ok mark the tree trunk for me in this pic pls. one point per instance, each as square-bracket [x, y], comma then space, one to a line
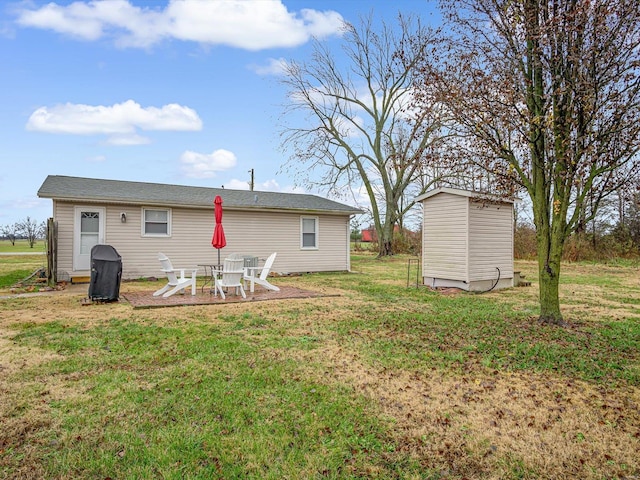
[550, 247]
[385, 239]
[385, 248]
[549, 294]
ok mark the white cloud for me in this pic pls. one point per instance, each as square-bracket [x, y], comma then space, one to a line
[96, 159]
[125, 140]
[274, 66]
[248, 24]
[206, 165]
[267, 186]
[348, 128]
[120, 121]
[7, 30]
[235, 184]
[322, 24]
[27, 203]
[361, 197]
[76, 20]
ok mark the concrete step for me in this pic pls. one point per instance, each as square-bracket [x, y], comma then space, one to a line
[80, 280]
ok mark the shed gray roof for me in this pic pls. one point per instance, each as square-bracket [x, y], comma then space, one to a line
[465, 193]
[78, 189]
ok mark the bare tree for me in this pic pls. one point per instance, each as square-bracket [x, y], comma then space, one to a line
[31, 230]
[10, 232]
[627, 229]
[547, 92]
[361, 130]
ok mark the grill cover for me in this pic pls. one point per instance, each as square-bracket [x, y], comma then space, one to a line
[106, 272]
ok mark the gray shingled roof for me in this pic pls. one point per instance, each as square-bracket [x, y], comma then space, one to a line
[117, 191]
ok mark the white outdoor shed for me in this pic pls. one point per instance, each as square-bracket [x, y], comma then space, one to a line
[467, 240]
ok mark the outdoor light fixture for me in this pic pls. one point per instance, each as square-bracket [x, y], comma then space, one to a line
[123, 217]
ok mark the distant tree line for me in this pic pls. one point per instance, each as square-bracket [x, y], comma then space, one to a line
[28, 229]
[613, 232]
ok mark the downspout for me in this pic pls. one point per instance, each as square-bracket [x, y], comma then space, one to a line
[349, 243]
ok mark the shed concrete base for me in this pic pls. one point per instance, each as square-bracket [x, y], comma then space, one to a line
[474, 286]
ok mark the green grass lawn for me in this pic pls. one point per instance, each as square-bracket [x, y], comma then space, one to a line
[22, 246]
[14, 268]
[381, 381]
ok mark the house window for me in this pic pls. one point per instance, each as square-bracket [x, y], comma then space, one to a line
[157, 223]
[309, 233]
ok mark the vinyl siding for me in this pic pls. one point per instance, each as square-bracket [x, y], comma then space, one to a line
[445, 237]
[248, 233]
[491, 240]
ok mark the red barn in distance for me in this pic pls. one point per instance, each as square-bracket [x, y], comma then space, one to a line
[369, 234]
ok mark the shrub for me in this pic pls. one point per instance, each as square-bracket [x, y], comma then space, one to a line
[407, 242]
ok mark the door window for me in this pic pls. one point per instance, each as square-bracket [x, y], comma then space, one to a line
[89, 231]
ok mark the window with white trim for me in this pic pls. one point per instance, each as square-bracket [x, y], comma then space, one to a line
[309, 233]
[156, 222]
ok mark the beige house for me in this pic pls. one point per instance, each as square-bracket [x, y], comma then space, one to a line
[309, 233]
[467, 240]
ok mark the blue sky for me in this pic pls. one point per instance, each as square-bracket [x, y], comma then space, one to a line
[180, 92]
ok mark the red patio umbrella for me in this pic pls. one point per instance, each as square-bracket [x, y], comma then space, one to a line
[218, 240]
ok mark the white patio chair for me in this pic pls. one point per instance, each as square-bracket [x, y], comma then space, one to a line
[175, 283]
[230, 276]
[251, 274]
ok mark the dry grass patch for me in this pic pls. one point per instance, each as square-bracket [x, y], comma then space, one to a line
[493, 424]
[588, 292]
[25, 411]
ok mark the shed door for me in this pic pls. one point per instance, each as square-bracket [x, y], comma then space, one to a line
[88, 231]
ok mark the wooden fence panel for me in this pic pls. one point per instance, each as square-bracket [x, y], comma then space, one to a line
[52, 252]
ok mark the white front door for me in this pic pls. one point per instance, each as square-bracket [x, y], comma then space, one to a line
[88, 231]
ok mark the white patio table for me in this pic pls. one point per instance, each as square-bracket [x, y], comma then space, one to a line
[209, 272]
